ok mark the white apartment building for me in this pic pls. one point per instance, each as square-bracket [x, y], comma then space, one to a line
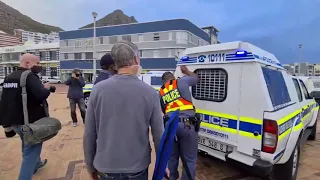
[48, 54]
[303, 69]
[36, 37]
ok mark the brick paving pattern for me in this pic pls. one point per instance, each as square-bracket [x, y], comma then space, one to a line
[65, 154]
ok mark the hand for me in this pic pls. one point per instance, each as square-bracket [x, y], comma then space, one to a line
[167, 173]
[73, 75]
[47, 85]
[95, 175]
[184, 69]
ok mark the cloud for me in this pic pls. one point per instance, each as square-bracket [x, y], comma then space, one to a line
[277, 26]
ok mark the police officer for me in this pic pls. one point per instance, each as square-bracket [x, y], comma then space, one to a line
[108, 68]
[11, 109]
[175, 95]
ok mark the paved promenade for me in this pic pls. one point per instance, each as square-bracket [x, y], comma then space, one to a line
[65, 154]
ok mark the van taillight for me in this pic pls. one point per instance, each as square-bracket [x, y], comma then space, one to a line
[270, 136]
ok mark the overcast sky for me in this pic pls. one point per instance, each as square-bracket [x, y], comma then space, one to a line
[278, 26]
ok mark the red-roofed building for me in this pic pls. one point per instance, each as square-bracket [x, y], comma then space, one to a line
[8, 40]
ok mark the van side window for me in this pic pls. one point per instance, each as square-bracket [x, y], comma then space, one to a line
[212, 85]
[304, 90]
[296, 84]
[277, 87]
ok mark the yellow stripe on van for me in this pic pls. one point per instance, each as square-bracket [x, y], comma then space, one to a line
[251, 120]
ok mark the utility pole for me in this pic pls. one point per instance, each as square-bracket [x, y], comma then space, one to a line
[94, 15]
[300, 59]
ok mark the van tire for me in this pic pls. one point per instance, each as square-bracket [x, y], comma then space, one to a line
[313, 134]
[285, 171]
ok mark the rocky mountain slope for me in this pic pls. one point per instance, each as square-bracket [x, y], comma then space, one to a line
[115, 18]
[11, 19]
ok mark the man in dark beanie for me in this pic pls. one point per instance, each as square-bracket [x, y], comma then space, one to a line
[75, 95]
[108, 68]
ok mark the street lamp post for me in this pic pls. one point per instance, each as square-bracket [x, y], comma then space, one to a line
[94, 15]
[300, 52]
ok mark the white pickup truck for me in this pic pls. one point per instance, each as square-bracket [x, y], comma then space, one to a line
[253, 112]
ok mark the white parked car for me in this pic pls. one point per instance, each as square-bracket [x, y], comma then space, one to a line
[253, 112]
[52, 80]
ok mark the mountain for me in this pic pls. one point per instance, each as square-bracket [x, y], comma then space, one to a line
[115, 18]
[11, 19]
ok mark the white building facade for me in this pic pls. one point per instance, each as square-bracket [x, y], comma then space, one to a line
[48, 54]
[36, 37]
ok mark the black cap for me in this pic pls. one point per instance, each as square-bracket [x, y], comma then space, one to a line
[106, 60]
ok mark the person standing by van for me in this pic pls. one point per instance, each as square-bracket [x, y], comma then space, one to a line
[75, 95]
[175, 95]
[108, 68]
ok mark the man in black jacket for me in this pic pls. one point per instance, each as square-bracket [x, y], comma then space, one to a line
[75, 95]
[108, 68]
[11, 110]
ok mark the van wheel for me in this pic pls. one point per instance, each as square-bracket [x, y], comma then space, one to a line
[313, 134]
[86, 99]
[289, 170]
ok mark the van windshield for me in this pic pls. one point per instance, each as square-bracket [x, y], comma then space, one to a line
[156, 81]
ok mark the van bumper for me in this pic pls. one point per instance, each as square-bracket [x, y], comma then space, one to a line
[259, 168]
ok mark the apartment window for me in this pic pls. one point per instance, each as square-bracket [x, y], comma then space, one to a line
[182, 38]
[89, 55]
[156, 36]
[170, 35]
[156, 54]
[77, 56]
[88, 43]
[42, 55]
[53, 55]
[126, 38]
[66, 56]
[53, 71]
[169, 52]
[0, 57]
[212, 85]
[113, 39]
[100, 40]
[5, 71]
[43, 71]
[77, 44]
[140, 36]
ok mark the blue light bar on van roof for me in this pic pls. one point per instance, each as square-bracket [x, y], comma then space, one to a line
[241, 53]
[185, 58]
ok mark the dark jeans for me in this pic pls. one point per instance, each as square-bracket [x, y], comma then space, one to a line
[82, 107]
[186, 146]
[143, 175]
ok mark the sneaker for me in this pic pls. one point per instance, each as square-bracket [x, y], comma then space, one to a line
[74, 124]
[40, 165]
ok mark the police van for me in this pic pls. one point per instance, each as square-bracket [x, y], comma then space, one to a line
[253, 112]
[153, 78]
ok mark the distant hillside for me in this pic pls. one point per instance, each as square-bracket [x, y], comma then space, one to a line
[11, 19]
[115, 18]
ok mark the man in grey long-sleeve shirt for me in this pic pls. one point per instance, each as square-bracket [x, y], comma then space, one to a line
[119, 113]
